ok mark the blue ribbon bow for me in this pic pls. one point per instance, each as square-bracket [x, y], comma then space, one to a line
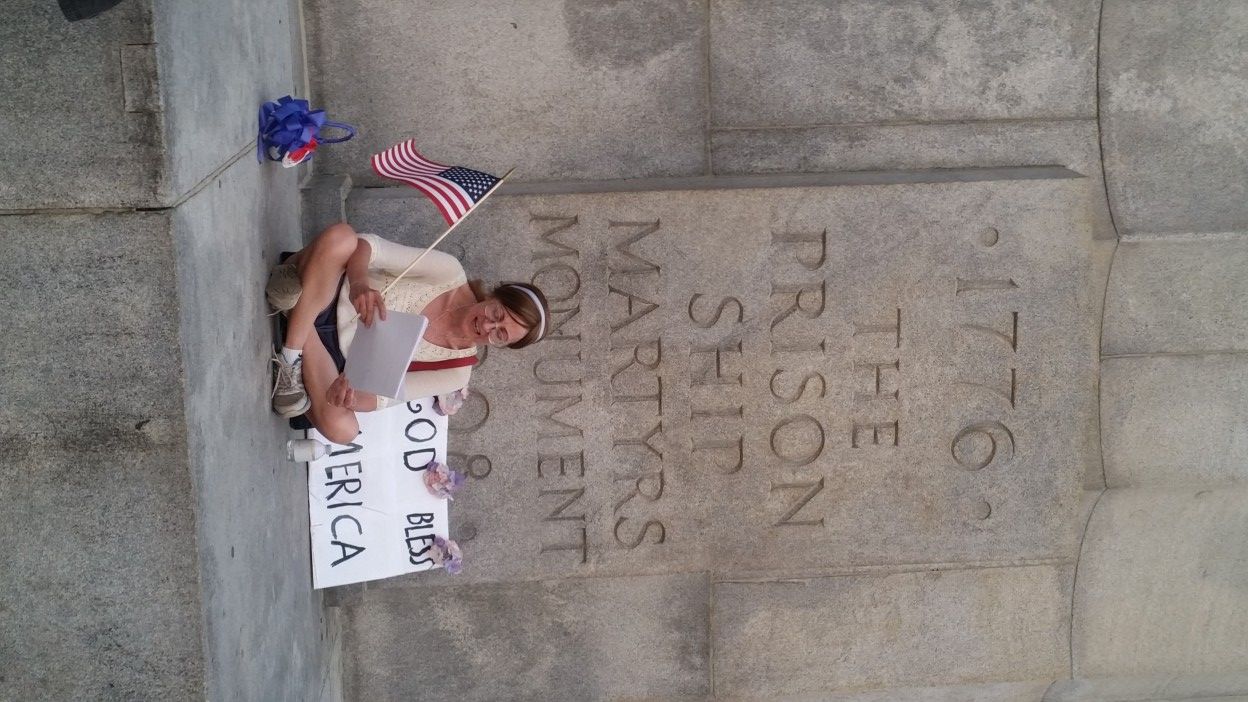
[289, 125]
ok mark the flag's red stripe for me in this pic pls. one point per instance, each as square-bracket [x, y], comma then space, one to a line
[411, 145]
[401, 156]
[379, 165]
[397, 163]
[436, 189]
[404, 163]
[445, 204]
[447, 214]
[456, 197]
[416, 366]
[453, 199]
[465, 202]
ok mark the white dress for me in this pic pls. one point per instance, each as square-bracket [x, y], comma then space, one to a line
[435, 274]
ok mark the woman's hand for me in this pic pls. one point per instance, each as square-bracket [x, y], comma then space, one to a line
[369, 303]
[340, 393]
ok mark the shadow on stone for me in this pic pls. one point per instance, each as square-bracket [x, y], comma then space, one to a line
[75, 10]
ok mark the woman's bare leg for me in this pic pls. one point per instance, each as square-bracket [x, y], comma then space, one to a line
[320, 266]
[338, 424]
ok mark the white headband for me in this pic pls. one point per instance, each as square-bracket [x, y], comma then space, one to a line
[541, 311]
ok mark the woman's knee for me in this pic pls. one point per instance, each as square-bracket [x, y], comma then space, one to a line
[332, 246]
[340, 430]
[341, 237]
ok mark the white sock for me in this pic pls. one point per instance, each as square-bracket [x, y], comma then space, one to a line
[291, 355]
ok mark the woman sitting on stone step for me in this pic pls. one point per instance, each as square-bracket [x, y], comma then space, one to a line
[322, 288]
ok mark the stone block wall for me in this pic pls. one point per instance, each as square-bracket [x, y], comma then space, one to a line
[909, 583]
[101, 594]
[1159, 585]
[156, 536]
[1049, 509]
[1159, 588]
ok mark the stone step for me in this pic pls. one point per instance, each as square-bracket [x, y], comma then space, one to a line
[324, 202]
[157, 539]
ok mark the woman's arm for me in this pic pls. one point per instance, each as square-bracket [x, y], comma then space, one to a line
[357, 264]
[429, 383]
[341, 394]
[435, 268]
[415, 386]
[368, 302]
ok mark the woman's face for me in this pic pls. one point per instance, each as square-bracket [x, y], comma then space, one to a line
[489, 322]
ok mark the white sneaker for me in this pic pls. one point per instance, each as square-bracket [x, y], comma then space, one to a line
[289, 397]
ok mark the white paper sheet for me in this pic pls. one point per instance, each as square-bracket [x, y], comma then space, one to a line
[380, 354]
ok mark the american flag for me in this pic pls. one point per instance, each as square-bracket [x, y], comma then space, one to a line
[454, 189]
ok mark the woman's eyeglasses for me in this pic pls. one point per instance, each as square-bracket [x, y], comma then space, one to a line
[497, 315]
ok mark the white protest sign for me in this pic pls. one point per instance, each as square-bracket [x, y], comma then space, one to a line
[371, 514]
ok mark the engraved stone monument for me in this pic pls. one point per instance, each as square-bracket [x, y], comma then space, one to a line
[899, 350]
[859, 385]
[782, 379]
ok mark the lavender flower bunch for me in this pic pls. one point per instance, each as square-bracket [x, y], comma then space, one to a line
[449, 404]
[442, 481]
[446, 553]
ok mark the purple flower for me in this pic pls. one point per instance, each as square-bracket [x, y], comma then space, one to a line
[450, 403]
[442, 481]
[446, 553]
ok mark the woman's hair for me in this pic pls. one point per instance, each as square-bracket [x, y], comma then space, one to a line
[518, 298]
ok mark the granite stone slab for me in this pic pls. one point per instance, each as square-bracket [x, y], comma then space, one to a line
[602, 638]
[157, 536]
[587, 89]
[1070, 143]
[100, 596]
[872, 147]
[97, 284]
[79, 108]
[804, 62]
[265, 630]
[778, 379]
[1177, 296]
[1162, 589]
[218, 63]
[935, 628]
[1032, 691]
[1228, 687]
[322, 201]
[135, 107]
[1175, 420]
[1173, 87]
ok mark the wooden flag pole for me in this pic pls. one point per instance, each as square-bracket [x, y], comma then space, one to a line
[440, 238]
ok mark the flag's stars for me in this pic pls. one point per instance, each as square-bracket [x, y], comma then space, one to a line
[475, 183]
